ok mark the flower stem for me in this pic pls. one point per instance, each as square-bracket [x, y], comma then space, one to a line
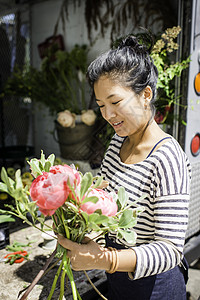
[94, 287]
[66, 266]
[66, 228]
[62, 284]
[55, 281]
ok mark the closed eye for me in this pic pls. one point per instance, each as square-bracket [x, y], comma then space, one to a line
[100, 106]
[116, 102]
[97, 102]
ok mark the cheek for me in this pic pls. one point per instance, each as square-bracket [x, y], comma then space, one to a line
[103, 113]
[135, 111]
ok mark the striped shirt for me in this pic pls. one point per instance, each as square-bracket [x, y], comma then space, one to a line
[164, 177]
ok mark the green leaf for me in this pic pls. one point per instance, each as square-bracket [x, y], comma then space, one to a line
[32, 208]
[35, 169]
[126, 219]
[42, 158]
[71, 206]
[94, 226]
[86, 183]
[128, 235]
[92, 199]
[4, 212]
[102, 219]
[138, 210]
[184, 123]
[4, 177]
[98, 211]
[47, 166]
[51, 159]
[41, 166]
[85, 216]
[3, 187]
[98, 182]
[122, 196]
[41, 219]
[19, 184]
[98, 219]
[93, 217]
[6, 218]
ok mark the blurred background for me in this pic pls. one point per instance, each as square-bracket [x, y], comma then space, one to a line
[29, 29]
[45, 48]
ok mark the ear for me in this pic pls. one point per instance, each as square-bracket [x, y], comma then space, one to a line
[148, 94]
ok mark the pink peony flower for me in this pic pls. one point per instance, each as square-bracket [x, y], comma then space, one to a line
[70, 171]
[51, 190]
[106, 203]
[47, 212]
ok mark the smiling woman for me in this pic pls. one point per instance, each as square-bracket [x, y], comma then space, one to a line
[121, 106]
[146, 162]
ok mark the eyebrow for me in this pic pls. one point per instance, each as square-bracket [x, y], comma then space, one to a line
[110, 96]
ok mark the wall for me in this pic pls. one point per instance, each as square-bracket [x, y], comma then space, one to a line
[43, 19]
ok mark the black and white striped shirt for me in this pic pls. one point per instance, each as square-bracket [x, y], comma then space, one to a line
[165, 178]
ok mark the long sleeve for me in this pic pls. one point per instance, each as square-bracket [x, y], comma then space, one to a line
[170, 212]
[165, 179]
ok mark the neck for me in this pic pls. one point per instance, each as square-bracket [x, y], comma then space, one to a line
[149, 134]
[137, 146]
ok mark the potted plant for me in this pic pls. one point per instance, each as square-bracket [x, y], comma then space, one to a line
[5, 218]
[4, 229]
[60, 84]
[6, 201]
[163, 58]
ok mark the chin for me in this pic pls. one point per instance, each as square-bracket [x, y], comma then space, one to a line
[121, 134]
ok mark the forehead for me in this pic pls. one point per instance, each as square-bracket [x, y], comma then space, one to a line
[106, 86]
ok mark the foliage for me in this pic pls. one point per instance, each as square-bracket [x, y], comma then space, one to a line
[5, 217]
[70, 219]
[167, 70]
[60, 83]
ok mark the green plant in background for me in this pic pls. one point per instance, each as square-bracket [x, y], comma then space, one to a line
[59, 84]
[4, 218]
[168, 70]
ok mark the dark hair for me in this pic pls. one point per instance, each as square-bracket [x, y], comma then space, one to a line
[130, 64]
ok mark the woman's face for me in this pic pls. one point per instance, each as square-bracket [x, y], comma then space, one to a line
[127, 112]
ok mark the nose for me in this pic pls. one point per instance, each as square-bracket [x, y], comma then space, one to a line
[109, 112]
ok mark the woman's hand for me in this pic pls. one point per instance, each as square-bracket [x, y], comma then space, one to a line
[86, 256]
[103, 185]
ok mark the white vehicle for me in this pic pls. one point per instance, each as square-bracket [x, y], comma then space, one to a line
[192, 137]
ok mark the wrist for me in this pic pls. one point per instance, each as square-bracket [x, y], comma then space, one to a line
[120, 260]
[127, 260]
[114, 260]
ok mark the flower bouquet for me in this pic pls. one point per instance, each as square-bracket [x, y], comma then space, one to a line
[76, 204]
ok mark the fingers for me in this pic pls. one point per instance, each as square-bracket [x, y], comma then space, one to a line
[69, 245]
[86, 240]
[103, 185]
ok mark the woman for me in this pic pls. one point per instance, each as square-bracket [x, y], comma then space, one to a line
[145, 160]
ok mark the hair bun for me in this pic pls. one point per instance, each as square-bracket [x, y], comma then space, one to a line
[132, 42]
[129, 41]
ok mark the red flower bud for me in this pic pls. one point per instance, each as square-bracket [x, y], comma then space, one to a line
[51, 190]
[106, 203]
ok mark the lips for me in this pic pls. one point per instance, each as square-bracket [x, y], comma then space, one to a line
[117, 124]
